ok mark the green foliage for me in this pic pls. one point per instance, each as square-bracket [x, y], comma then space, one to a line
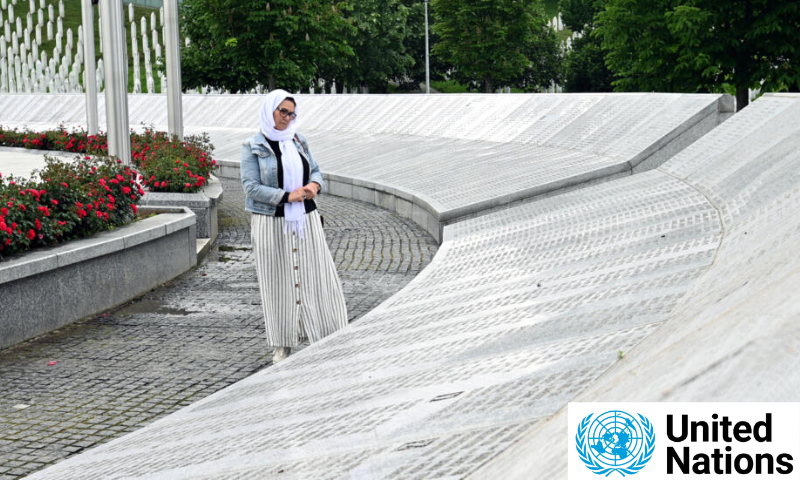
[579, 14]
[414, 45]
[237, 45]
[700, 45]
[171, 166]
[497, 42]
[449, 86]
[66, 200]
[378, 44]
[168, 165]
[584, 67]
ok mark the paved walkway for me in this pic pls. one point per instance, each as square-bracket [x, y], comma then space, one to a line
[183, 341]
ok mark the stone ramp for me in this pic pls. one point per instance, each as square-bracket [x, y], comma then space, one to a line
[439, 159]
[520, 312]
[515, 316]
[735, 336]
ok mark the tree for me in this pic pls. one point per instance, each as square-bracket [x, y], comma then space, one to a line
[377, 41]
[701, 45]
[585, 67]
[414, 44]
[240, 44]
[497, 42]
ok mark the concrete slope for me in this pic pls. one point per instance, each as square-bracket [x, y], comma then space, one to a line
[518, 313]
[735, 336]
[439, 159]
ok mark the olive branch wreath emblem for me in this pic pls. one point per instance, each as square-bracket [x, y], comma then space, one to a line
[591, 464]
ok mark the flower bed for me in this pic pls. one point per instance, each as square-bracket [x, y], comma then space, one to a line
[166, 164]
[66, 201]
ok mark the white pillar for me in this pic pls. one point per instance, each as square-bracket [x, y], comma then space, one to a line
[50, 13]
[100, 75]
[172, 46]
[137, 75]
[130, 13]
[148, 67]
[60, 8]
[40, 17]
[11, 14]
[49, 31]
[3, 76]
[119, 142]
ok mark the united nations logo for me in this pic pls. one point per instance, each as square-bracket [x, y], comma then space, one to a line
[615, 442]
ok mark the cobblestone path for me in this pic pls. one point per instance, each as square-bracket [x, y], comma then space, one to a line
[182, 341]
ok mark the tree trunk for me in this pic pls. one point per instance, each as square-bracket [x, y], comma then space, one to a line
[271, 83]
[487, 84]
[742, 97]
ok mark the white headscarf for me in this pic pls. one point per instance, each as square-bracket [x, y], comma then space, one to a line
[294, 212]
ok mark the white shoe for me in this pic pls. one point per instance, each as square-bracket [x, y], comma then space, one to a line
[280, 353]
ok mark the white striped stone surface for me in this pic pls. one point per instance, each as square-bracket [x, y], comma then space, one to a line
[689, 269]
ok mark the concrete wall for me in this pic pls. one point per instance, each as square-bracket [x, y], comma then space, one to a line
[48, 288]
[204, 204]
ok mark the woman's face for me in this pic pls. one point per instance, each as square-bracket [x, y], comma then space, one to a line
[282, 122]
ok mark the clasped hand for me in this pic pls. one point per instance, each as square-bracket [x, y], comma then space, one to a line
[307, 192]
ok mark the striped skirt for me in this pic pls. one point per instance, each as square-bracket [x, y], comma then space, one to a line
[301, 294]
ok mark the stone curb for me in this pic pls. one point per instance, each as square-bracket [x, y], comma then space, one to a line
[204, 204]
[85, 277]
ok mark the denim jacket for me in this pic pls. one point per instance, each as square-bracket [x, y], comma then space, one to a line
[259, 171]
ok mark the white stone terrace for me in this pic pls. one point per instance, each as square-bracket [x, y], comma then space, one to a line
[437, 159]
[690, 269]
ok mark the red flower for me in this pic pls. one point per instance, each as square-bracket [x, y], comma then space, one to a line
[4, 211]
[135, 210]
[54, 201]
[98, 213]
[64, 184]
[38, 224]
[126, 190]
[63, 223]
[31, 234]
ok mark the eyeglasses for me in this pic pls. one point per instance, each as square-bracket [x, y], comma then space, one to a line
[286, 113]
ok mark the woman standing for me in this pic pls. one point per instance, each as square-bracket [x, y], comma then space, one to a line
[300, 291]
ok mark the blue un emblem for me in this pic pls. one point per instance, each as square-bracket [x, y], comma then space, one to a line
[615, 441]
